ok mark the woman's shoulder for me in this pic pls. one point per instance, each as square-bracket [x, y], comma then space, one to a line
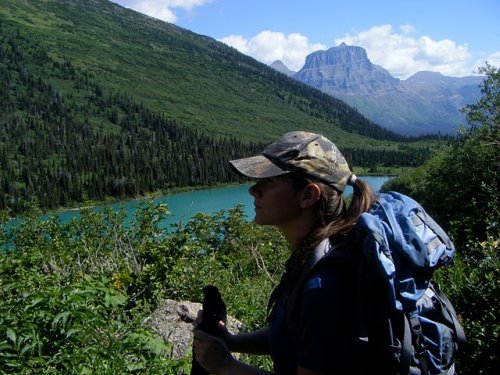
[341, 249]
[338, 265]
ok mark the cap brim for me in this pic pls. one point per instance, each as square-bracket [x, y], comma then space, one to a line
[257, 167]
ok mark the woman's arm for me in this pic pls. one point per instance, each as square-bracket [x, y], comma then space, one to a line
[256, 342]
[213, 355]
[251, 343]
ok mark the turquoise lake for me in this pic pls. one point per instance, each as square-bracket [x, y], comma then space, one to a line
[185, 205]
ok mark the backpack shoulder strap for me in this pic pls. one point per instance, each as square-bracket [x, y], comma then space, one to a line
[322, 252]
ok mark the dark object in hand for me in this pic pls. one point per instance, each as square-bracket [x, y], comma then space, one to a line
[214, 311]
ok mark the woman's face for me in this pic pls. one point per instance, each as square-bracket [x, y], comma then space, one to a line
[276, 201]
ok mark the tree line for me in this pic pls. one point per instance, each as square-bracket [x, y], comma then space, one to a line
[65, 139]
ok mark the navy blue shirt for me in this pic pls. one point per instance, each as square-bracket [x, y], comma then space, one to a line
[325, 315]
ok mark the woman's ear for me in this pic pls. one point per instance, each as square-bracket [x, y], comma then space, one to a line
[310, 195]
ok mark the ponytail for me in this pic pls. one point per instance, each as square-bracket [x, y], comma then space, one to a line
[334, 217]
[362, 199]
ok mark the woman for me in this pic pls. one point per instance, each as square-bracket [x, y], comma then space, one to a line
[299, 184]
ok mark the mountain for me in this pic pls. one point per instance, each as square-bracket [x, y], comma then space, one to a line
[192, 79]
[282, 68]
[425, 103]
[99, 101]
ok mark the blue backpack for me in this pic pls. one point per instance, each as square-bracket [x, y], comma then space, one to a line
[406, 324]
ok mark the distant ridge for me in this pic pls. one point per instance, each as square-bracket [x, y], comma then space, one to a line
[425, 103]
[281, 67]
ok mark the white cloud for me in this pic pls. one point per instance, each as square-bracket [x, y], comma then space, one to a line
[268, 46]
[404, 54]
[399, 51]
[162, 9]
[407, 29]
[236, 41]
[492, 59]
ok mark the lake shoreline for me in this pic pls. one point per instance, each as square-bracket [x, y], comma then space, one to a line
[77, 206]
[161, 194]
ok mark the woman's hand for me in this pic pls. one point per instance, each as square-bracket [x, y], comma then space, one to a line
[212, 353]
[222, 330]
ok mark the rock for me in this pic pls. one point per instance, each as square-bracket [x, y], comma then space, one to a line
[173, 320]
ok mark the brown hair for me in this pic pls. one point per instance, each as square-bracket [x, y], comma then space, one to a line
[334, 217]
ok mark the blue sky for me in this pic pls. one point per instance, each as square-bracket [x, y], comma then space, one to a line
[453, 37]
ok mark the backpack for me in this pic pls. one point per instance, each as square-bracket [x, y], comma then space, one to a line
[405, 323]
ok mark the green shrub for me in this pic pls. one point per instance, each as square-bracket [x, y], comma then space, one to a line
[65, 306]
[74, 295]
[48, 325]
[459, 188]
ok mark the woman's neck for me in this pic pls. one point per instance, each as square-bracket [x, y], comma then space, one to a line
[295, 235]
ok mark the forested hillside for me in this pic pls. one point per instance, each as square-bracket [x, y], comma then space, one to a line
[191, 78]
[98, 101]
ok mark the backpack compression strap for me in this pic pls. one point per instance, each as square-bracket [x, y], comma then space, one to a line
[415, 326]
[459, 331]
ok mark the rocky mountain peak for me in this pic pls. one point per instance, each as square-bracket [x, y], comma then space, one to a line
[427, 102]
[343, 55]
[346, 69]
[281, 67]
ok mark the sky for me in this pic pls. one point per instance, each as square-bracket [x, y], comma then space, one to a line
[453, 37]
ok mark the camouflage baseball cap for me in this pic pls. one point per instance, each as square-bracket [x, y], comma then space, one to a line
[308, 153]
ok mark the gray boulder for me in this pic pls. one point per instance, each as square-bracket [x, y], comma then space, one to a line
[173, 320]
